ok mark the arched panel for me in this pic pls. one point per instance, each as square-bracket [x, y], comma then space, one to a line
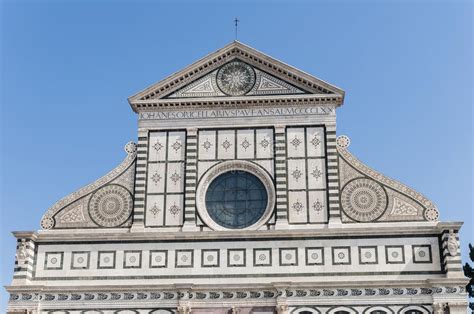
[342, 310]
[378, 310]
[414, 309]
[305, 310]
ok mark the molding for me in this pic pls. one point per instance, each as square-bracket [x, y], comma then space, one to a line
[104, 295]
[365, 230]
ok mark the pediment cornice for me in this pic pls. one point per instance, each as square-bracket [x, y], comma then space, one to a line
[154, 96]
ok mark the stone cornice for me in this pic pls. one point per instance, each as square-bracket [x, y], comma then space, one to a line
[230, 102]
[352, 230]
[273, 285]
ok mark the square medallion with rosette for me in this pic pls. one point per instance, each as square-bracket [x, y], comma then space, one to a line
[106, 260]
[236, 258]
[158, 259]
[80, 260]
[262, 257]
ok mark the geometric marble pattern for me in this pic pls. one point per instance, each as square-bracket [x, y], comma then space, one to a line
[236, 258]
[341, 255]
[210, 258]
[165, 179]
[132, 259]
[422, 254]
[288, 256]
[184, 258]
[252, 80]
[306, 175]
[394, 254]
[314, 256]
[158, 259]
[368, 255]
[106, 260]
[53, 260]
[262, 257]
[80, 260]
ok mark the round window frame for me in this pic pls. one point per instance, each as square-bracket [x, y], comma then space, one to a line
[234, 165]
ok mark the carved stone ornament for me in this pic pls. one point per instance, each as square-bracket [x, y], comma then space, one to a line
[47, 223]
[343, 141]
[236, 78]
[130, 147]
[111, 206]
[430, 212]
[48, 220]
[363, 200]
[452, 244]
[234, 165]
[22, 253]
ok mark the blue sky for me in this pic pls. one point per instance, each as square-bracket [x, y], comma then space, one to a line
[67, 68]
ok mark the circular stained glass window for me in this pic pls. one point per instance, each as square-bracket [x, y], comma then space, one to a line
[236, 199]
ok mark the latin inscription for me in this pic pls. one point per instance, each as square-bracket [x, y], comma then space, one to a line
[236, 113]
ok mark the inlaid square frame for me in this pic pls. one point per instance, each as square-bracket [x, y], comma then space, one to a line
[218, 251]
[114, 259]
[255, 250]
[157, 251]
[244, 264]
[61, 254]
[140, 253]
[430, 254]
[321, 249]
[176, 253]
[349, 262]
[375, 248]
[73, 253]
[387, 247]
[280, 254]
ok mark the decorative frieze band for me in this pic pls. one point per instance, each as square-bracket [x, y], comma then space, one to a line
[269, 293]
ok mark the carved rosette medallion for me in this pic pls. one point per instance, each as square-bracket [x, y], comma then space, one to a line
[110, 206]
[236, 78]
[47, 223]
[363, 200]
[343, 141]
[431, 214]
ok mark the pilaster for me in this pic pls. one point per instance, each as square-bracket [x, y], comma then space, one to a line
[451, 254]
[140, 181]
[280, 178]
[190, 181]
[333, 175]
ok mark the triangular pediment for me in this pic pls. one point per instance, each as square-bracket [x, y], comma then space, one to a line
[246, 80]
[236, 71]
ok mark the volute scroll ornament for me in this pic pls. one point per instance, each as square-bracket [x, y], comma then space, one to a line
[49, 218]
[430, 212]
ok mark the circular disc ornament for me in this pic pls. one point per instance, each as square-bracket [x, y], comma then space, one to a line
[47, 223]
[110, 206]
[236, 78]
[363, 200]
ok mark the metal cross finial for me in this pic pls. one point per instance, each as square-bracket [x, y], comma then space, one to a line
[236, 21]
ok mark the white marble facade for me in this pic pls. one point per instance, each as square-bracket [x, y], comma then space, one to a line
[331, 235]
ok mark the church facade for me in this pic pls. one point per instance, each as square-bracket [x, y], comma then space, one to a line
[240, 197]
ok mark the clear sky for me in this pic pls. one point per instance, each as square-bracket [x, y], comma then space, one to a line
[67, 68]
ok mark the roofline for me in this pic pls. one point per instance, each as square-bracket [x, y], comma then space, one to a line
[214, 59]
